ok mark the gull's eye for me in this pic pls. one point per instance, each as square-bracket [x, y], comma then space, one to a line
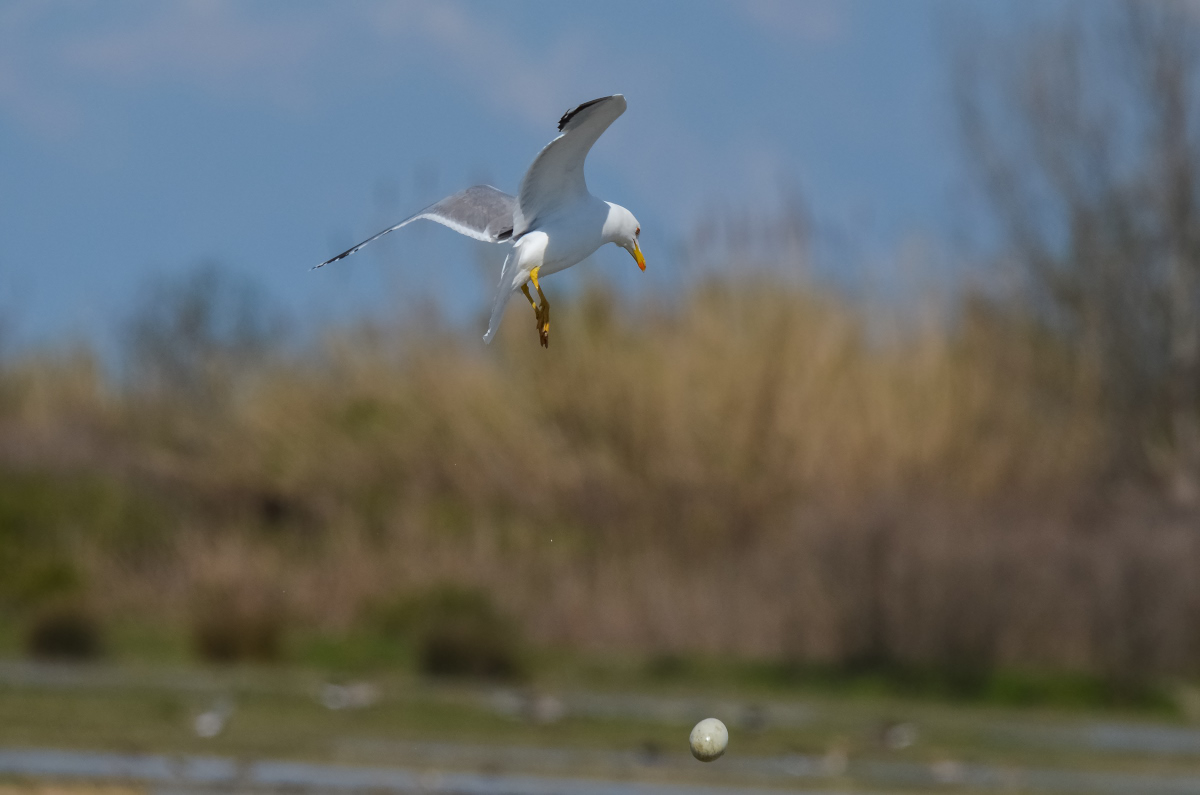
[637, 231]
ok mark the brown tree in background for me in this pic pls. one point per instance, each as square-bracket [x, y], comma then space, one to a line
[1085, 135]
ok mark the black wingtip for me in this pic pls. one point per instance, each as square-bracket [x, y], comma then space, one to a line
[566, 117]
[343, 255]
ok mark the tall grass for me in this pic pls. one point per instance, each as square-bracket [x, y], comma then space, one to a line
[756, 470]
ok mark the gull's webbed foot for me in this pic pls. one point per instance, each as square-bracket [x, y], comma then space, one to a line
[541, 316]
[543, 323]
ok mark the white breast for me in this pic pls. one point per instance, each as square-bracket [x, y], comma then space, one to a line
[573, 234]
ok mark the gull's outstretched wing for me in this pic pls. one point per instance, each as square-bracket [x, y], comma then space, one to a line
[556, 176]
[481, 212]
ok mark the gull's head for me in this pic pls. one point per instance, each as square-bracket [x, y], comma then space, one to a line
[624, 230]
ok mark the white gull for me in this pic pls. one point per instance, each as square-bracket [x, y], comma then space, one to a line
[552, 223]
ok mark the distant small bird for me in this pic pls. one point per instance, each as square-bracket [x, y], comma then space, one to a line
[897, 735]
[355, 695]
[211, 723]
[553, 222]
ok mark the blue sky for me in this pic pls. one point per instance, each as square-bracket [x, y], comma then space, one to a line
[141, 138]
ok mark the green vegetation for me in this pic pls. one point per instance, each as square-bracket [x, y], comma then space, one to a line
[64, 629]
[455, 631]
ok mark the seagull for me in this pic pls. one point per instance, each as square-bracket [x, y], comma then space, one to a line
[552, 223]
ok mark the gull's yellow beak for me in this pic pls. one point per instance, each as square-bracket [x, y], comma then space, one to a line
[636, 251]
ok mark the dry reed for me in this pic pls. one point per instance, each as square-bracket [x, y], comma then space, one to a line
[759, 471]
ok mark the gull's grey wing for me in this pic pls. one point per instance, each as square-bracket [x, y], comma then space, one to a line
[481, 212]
[556, 174]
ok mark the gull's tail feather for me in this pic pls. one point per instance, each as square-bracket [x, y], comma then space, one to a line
[504, 292]
[497, 312]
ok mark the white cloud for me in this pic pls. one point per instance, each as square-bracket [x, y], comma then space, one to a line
[487, 61]
[295, 56]
[215, 44]
[815, 21]
[52, 54]
[284, 54]
[22, 94]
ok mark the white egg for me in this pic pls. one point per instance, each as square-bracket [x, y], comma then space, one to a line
[709, 739]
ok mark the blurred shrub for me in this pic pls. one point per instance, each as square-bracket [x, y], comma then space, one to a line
[667, 667]
[44, 576]
[456, 631]
[1083, 141]
[42, 514]
[236, 624]
[193, 333]
[64, 630]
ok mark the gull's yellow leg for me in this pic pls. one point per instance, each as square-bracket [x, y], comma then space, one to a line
[537, 313]
[542, 311]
